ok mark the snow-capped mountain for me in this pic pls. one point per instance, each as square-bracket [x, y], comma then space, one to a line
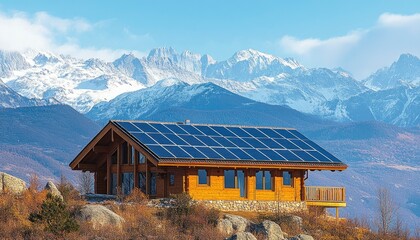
[76, 82]
[331, 93]
[399, 106]
[10, 62]
[405, 71]
[250, 64]
[12, 99]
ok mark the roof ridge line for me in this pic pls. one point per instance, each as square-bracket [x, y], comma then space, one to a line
[203, 124]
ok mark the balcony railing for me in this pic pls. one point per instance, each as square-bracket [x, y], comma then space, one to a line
[325, 194]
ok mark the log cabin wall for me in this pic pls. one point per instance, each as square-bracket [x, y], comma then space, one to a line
[175, 180]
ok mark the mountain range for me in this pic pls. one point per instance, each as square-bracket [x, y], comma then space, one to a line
[329, 93]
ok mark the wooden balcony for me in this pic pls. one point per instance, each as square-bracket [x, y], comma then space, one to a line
[325, 196]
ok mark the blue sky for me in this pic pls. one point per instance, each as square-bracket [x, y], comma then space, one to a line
[360, 36]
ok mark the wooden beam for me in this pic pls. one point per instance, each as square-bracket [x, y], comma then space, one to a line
[119, 158]
[87, 167]
[102, 149]
[290, 166]
[90, 145]
[108, 174]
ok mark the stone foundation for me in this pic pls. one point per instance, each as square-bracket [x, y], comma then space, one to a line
[237, 206]
[255, 206]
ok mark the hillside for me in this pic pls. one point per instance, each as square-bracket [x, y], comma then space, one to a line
[42, 140]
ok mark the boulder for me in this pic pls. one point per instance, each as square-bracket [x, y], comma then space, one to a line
[99, 216]
[11, 184]
[269, 229]
[302, 237]
[293, 221]
[225, 227]
[239, 224]
[242, 236]
[52, 189]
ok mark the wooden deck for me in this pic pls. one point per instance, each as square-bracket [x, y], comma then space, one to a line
[325, 196]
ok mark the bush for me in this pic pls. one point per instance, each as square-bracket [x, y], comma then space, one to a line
[54, 216]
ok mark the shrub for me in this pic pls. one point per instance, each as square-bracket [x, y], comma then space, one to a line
[54, 216]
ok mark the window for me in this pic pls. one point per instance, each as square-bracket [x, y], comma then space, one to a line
[153, 183]
[142, 158]
[124, 149]
[202, 177]
[127, 182]
[132, 155]
[142, 181]
[287, 178]
[114, 184]
[171, 179]
[263, 180]
[229, 178]
[235, 179]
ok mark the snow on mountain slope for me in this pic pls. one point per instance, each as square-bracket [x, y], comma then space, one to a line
[399, 106]
[305, 90]
[11, 61]
[405, 71]
[249, 64]
[12, 99]
[78, 83]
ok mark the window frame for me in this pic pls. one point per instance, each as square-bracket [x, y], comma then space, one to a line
[291, 178]
[264, 180]
[171, 179]
[207, 178]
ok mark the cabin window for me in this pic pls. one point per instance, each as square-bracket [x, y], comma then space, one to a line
[203, 178]
[263, 180]
[171, 179]
[127, 182]
[142, 181]
[132, 155]
[229, 178]
[142, 158]
[114, 184]
[153, 183]
[287, 178]
[114, 158]
[124, 149]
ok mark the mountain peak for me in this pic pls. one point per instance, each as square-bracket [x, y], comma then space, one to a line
[162, 52]
[407, 58]
[251, 54]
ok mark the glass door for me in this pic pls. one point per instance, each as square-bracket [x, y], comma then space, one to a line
[241, 183]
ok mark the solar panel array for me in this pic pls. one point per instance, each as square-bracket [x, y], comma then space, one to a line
[181, 141]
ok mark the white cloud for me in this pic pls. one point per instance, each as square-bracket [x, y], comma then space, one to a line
[43, 32]
[361, 51]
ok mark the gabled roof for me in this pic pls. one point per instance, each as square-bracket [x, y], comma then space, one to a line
[178, 143]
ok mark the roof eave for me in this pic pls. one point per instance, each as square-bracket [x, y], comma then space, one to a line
[251, 164]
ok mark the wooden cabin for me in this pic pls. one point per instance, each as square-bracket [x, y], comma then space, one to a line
[209, 162]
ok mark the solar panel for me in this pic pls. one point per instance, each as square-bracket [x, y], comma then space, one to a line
[179, 141]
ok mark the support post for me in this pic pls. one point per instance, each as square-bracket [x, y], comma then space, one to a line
[336, 214]
[147, 177]
[108, 174]
[136, 176]
[119, 159]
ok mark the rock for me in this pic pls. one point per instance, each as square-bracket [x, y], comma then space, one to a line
[51, 188]
[302, 237]
[242, 236]
[11, 184]
[269, 229]
[239, 224]
[99, 216]
[293, 221]
[225, 227]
